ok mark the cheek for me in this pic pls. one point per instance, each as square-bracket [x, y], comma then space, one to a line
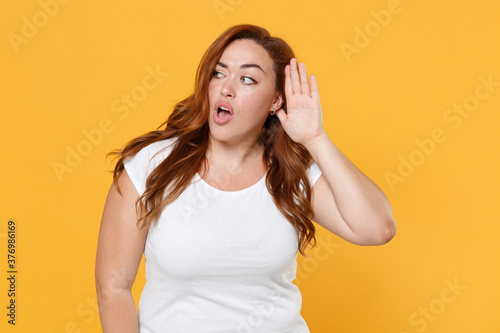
[260, 100]
[211, 89]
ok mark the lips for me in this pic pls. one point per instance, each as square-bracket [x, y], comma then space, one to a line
[223, 104]
[223, 117]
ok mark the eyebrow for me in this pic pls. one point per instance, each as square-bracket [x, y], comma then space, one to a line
[243, 66]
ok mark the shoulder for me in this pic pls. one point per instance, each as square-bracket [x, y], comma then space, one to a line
[141, 164]
[153, 153]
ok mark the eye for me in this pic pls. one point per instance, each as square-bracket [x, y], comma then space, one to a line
[249, 78]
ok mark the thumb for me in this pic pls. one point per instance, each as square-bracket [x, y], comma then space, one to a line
[281, 114]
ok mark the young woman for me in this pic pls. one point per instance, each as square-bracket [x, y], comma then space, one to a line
[220, 201]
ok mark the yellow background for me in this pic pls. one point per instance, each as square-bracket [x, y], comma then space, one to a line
[396, 88]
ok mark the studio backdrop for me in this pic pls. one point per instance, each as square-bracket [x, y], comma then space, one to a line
[410, 92]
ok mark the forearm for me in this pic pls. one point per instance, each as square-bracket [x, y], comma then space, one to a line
[117, 311]
[362, 204]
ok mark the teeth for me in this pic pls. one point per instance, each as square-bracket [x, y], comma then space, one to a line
[223, 108]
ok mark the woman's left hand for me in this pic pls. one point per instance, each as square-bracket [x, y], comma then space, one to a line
[303, 121]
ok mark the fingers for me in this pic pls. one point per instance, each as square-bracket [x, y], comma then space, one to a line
[314, 88]
[303, 79]
[298, 82]
[288, 82]
[295, 77]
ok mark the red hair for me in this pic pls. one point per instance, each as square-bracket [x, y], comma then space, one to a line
[286, 160]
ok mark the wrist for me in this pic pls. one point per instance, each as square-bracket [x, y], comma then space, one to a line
[317, 141]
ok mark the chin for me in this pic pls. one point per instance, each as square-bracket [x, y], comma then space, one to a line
[217, 133]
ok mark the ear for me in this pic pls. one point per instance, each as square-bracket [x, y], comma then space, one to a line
[278, 101]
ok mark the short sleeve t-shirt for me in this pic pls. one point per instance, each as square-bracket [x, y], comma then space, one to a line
[218, 261]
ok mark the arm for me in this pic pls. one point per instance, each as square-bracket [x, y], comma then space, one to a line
[119, 252]
[345, 201]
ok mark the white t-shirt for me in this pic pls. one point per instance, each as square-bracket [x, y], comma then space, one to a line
[218, 261]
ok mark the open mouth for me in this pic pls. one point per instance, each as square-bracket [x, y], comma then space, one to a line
[223, 112]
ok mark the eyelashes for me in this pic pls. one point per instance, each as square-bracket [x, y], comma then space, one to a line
[215, 73]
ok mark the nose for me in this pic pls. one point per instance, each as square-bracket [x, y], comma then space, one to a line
[224, 92]
[227, 89]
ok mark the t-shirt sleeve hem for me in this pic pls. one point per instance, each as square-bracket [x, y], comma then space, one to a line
[314, 172]
[131, 170]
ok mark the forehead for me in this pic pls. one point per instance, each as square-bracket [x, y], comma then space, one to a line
[246, 51]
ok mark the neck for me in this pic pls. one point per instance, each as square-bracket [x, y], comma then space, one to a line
[234, 157]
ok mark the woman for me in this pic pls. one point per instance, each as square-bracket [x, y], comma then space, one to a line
[220, 201]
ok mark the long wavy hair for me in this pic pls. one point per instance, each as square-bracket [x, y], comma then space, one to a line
[285, 160]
